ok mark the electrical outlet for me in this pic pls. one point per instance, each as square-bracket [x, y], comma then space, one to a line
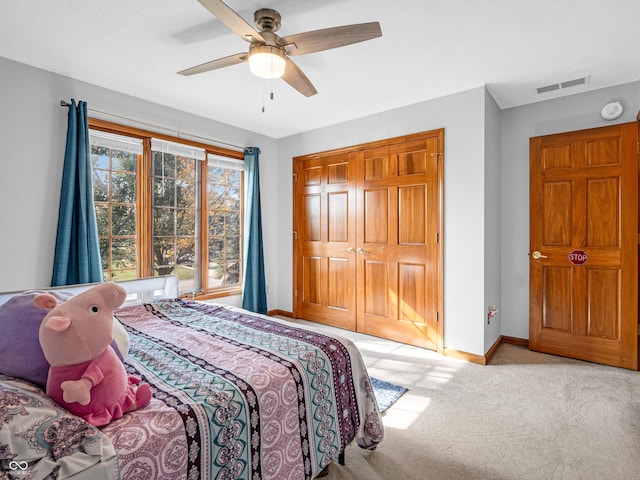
[492, 311]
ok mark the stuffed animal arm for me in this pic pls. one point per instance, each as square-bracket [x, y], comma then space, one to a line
[80, 390]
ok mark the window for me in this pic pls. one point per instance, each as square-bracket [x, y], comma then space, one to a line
[114, 160]
[168, 206]
[224, 207]
[176, 188]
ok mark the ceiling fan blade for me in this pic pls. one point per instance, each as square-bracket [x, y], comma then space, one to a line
[216, 64]
[328, 38]
[297, 79]
[232, 20]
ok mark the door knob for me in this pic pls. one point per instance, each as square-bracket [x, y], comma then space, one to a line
[350, 250]
[537, 255]
[361, 251]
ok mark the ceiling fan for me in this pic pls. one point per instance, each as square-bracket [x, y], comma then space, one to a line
[268, 54]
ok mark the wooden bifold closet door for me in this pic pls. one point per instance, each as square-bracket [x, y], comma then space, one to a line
[367, 239]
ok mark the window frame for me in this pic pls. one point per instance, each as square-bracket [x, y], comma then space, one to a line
[144, 192]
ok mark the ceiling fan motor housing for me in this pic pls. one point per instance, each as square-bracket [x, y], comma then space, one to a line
[267, 20]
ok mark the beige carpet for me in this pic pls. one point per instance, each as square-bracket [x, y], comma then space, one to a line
[525, 416]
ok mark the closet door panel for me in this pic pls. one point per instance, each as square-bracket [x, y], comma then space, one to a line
[324, 248]
[376, 288]
[397, 233]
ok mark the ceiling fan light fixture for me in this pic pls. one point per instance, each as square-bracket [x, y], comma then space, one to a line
[266, 61]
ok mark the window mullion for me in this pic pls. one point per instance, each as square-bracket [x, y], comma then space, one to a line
[204, 226]
[144, 210]
[197, 282]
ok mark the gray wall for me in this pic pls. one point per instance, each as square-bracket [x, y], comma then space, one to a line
[576, 112]
[33, 130]
[486, 235]
[462, 117]
[492, 220]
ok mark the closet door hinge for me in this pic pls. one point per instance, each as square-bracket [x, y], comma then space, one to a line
[295, 292]
[295, 234]
[295, 176]
[437, 237]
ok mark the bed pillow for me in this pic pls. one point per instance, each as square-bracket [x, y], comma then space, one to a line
[20, 352]
[120, 340]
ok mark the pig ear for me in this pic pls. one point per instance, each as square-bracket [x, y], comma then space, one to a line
[45, 300]
[57, 323]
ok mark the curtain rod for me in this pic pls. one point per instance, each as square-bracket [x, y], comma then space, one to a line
[64, 103]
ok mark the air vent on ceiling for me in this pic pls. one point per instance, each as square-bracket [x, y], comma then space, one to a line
[558, 86]
[548, 88]
[574, 83]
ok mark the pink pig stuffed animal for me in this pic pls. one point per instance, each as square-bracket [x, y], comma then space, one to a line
[86, 376]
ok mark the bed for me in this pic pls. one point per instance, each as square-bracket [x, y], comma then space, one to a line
[236, 395]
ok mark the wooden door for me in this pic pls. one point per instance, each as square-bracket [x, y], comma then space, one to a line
[583, 245]
[324, 253]
[368, 251]
[398, 251]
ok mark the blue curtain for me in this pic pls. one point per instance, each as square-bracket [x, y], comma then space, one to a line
[77, 255]
[254, 291]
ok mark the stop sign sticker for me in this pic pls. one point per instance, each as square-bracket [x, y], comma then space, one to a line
[578, 257]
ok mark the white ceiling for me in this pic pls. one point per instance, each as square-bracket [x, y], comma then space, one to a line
[428, 49]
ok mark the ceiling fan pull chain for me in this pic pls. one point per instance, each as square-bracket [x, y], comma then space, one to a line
[270, 96]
